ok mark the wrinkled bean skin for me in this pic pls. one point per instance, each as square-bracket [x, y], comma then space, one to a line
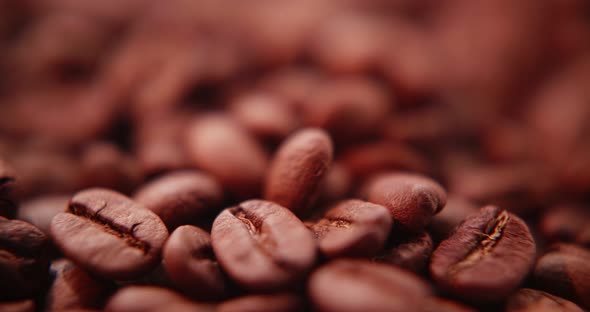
[530, 300]
[486, 258]
[109, 234]
[262, 245]
[181, 197]
[190, 263]
[360, 285]
[298, 168]
[352, 228]
[411, 199]
[24, 259]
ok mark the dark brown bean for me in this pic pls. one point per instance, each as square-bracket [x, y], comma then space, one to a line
[530, 300]
[220, 146]
[486, 258]
[298, 168]
[262, 245]
[456, 210]
[282, 302]
[191, 265]
[41, 210]
[565, 222]
[24, 259]
[109, 234]
[181, 197]
[353, 228]
[564, 271]
[435, 304]
[411, 199]
[74, 288]
[408, 252]
[7, 183]
[360, 285]
[18, 306]
[150, 298]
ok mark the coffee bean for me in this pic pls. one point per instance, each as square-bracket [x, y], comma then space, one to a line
[335, 185]
[24, 259]
[74, 288]
[41, 210]
[18, 306]
[220, 146]
[191, 264]
[282, 302]
[262, 245]
[109, 234]
[411, 199]
[7, 183]
[435, 304]
[530, 300]
[150, 298]
[408, 252]
[360, 285]
[353, 228]
[564, 271]
[486, 258]
[298, 168]
[181, 197]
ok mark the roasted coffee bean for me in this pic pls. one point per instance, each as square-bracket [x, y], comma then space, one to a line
[191, 265]
[411, 199]
[150, 298]
[566, 223]
[486, 258]
[109, 234]
[456, 210]
[530, 300]
[335, 185]
[262, 245]
[74, 288]
[298, 168]
[360, 285]
[352, 228]
[564, 271]
[24, 259]
[18, 306]
[411, 253]
[435, 304]
[282, 302]
[220, 146]
[181, 197]
[41, 210]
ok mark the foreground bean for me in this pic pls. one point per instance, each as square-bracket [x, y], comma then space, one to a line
[24, 259]
[353, 228]
[486, 258]
[360, 285]
[411, 199]
[298, 168]
[109, 234]
[530, 300]
[150, 298]
[262, 245]
[191, 265]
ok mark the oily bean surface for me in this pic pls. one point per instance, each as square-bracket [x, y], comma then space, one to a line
[297, 169]
[486, 258]
[181, 197]
[109, 234]
[359, 285]
[191, 265]
[352, 228]
[262, 246]
[24, 259]
[411, 199]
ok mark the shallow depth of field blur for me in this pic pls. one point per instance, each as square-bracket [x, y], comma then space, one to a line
[491, 98]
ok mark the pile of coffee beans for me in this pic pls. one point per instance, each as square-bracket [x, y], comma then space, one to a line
[273, 155]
